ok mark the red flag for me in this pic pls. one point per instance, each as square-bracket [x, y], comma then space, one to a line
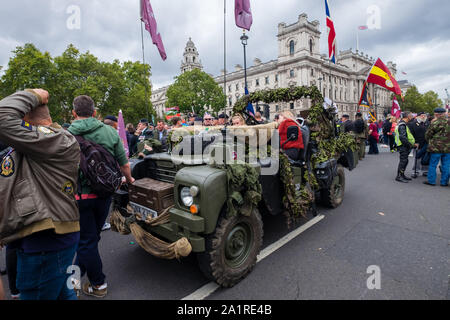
[243, 14]
[149, 20]
[396, 110]
[380, 75]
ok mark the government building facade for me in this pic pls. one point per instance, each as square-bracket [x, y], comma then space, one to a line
[299, 63]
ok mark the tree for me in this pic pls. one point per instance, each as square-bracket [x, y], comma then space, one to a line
[413, 100]
[417, 102]
[431, 101]
[113, 86]
[195, 90]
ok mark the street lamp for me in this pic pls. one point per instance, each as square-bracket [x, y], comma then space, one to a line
[320, 84]
[244, 39]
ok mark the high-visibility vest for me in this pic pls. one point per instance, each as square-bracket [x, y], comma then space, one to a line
[411, 139]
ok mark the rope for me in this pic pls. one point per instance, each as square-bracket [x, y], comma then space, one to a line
[158, 247]
[150, 243]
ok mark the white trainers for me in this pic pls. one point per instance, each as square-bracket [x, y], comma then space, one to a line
[76, 286]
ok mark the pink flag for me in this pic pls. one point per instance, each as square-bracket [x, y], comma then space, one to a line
[243, 14]
[396, 111]
[122, 132]
[148, 18]
[363, 27]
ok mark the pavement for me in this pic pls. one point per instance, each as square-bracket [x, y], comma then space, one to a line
[402, 229]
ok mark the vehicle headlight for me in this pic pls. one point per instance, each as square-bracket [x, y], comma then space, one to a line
[186, 197]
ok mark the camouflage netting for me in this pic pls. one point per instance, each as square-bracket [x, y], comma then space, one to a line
[156, 145]
[323, 134]
[244, 189]
[320, 122]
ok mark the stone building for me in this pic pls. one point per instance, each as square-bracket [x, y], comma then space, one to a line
[299, 63]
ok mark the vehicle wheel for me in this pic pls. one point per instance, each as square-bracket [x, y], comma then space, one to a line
[232, 249]
[334, 195]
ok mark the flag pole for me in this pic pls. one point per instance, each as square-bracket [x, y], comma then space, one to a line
[357, 40]
[225, 51]
[143, 61]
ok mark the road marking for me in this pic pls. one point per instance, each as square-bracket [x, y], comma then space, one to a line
[211, 287]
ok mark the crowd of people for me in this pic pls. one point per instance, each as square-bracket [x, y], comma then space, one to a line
[426, 135]
[52, 211]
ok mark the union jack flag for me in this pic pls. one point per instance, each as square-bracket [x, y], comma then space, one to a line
[331, 35]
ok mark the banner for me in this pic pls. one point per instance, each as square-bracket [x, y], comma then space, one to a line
[380, 75]
[148, 17]
[243, 14]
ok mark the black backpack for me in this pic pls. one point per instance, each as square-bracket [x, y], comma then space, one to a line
[358, 126]
[99, 167]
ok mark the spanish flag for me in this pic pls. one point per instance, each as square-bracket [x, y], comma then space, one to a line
[381, 76]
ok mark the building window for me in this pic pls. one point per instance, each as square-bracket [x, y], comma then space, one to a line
[311, 44]
[277, 108]
[237, 86]
[276, 78]
[230, 101]
[193, 59]
[291, 73]
[292, 106]
[229, 88]
[312, 72]
[267, 80]
[257, 82]
[292, 47]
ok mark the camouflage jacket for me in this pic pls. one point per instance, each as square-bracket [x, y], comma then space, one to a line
[438, 136]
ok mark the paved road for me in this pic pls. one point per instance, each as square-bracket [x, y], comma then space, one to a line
[402, 228]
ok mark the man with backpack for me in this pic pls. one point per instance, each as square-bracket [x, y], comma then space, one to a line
[361, 131]
[102, 164]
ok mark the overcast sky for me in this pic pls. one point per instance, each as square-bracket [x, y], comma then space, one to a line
[414, 34]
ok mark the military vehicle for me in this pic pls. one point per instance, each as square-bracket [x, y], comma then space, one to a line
[194, 196]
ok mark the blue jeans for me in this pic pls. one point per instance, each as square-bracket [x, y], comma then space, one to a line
[93, 214]
[43, 276]
[445, 163]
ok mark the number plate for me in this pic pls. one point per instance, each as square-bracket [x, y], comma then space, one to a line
[144, 211]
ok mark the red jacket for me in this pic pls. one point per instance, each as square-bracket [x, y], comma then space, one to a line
[282, 129]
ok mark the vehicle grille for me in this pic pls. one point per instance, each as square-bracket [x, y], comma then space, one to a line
[165, 171]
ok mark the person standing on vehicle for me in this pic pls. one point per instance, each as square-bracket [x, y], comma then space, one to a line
[438, 136]
[38, 212]
[93, 209]
[405, 142]
[361, 131]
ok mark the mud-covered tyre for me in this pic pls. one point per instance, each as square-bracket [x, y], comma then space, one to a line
[232, 249]
[334, 195]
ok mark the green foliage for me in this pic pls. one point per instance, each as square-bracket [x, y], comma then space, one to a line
[279, 95]
[416, 102]
[113, 86]
[195, 90]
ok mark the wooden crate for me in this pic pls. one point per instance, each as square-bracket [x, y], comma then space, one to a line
[153, 194]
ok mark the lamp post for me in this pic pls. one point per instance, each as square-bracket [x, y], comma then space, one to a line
[244, 39]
